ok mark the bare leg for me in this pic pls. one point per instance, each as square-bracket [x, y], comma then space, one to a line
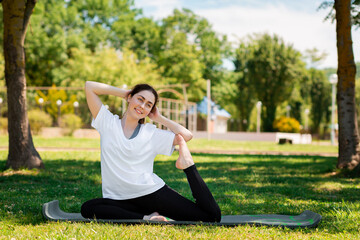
[185, 159]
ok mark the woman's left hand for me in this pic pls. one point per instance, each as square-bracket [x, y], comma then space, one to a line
[155, 115]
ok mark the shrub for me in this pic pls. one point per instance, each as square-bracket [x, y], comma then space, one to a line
[70, 122]
[286, 124]
[3, 125]
[51, 98]
[38, 119]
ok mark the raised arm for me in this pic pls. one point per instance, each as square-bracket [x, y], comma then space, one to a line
[94, 89]
[173, 126]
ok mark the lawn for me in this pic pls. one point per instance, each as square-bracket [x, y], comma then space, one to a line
[195, 144]
[242, 184]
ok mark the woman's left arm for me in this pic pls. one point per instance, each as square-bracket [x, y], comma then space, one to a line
[173, 126]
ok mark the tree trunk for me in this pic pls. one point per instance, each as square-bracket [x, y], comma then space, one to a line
[16, 16]
[268, 118]
[348, 129]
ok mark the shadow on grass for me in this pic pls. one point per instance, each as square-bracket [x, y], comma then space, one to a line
[245, 184]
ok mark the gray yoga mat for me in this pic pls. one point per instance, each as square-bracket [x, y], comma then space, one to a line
[307, 219]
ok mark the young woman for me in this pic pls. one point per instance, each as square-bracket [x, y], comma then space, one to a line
[128, 147]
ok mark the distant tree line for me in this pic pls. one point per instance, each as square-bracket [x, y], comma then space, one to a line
[69, 42]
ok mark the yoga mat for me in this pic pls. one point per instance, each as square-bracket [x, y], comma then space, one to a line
[307, 219]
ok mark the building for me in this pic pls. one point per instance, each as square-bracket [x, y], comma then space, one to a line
[219, 117]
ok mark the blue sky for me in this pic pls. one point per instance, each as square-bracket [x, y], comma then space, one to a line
[297, 22]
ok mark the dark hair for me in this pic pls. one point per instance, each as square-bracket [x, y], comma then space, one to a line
[144, 87]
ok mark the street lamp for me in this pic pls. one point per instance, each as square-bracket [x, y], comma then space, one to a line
[333, 79]
[307, 111]
[41, 101]
[76, 105]
[58, 103]
[258, 119]
[1, 101]
[288, 108]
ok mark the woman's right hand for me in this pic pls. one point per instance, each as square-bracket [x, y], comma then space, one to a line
[155, 115]
[94, 89]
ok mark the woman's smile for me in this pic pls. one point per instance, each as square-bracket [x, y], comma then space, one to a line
[138, 111]
[142, 103]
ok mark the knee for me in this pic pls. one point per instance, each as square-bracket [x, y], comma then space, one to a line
[87, 210]
[217, 215]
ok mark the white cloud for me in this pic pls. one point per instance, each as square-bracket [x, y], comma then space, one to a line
[303, 29]
[158, 8]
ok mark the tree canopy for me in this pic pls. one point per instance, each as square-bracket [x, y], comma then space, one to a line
[72, 41]
[272, 68]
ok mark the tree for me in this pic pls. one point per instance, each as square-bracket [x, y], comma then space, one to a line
[1, 27]
[226, 94]
[349, 150]
[320, 98]
[245, 98]
[61, 25]
[105, 21]
[143, 37]
[314, 57]
[179, 63]
[273, 71]
[16, 17]
[184, 29]
[106, 65]
[55, 29]
[2, 83]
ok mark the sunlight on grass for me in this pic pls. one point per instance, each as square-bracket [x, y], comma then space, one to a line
[195, 144]
[328, 187]
[11, 172]
[246, 184]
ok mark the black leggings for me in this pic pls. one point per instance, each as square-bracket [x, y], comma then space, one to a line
[165, 201]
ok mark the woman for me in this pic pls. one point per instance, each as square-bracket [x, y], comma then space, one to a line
[128, 147]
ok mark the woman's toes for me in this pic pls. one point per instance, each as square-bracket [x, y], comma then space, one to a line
[158, 218]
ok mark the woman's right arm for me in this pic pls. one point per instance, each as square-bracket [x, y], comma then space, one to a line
[94, 89]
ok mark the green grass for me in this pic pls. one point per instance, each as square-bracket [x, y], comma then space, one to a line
[62, 142]
[194, 144]
[241, 185]
[260, 146]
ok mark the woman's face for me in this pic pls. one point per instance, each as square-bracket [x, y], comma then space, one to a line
[141, 104]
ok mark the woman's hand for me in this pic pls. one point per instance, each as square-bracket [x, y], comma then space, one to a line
[155, 115]
[176, 128]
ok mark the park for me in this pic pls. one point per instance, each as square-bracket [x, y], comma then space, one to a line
[276, 134]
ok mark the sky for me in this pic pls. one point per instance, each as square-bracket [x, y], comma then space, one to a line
[298, 22]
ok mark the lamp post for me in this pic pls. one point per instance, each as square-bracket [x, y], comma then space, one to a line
[58, 103]
[41, 101]
[333, 79]
[1, 101]
[307, 111]
[288, 108]
[123, 101]
[76, 105]
[258, 119]
[208, 95]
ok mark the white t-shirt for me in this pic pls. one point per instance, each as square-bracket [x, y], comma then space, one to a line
[127, 164]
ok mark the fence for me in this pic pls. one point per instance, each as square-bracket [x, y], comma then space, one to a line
[176, 110]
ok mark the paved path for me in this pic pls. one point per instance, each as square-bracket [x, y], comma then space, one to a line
[230, 152]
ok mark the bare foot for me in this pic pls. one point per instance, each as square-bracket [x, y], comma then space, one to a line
[155, 216]
[185, 159]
